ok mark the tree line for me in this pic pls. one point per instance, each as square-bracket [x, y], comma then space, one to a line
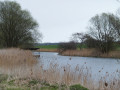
[103, 32]
[19, 29]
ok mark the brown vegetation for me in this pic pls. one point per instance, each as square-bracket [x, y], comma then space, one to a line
[22, 73]
[16, 57]
[91, 53]
[47, 50]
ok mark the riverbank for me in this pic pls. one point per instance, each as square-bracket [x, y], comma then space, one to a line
[91, 53]
[18, 72]
[85, 53]
[7, 83]
[47, 50]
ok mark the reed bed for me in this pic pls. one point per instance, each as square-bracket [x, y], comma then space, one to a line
[47, 50]
[83, 52]
[16, 57]
[23, 71]
[91, 53]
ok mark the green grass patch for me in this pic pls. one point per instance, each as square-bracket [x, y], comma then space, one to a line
[33, 85]
[11, 82]
[77, 87]
[49, 88]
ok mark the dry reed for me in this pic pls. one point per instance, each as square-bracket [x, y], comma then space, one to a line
[91, 53]
[47, 50]
[54, 74]
[16, 57]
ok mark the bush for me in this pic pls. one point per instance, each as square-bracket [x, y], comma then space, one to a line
[102, 46]
[67, 46]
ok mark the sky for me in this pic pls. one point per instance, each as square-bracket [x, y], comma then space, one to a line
[59, 19]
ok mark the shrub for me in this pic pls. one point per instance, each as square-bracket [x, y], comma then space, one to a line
[102, 46]
[67, 46]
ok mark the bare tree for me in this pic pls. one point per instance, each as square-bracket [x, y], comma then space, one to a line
[115, 21]
[17, 27]
[102, 30]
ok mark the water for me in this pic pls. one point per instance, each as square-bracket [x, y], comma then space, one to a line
[99, 67]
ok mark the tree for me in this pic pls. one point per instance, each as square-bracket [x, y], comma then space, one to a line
[17, 27]
[89, 41]
[78, 38]
[102, 30]
[115, 21]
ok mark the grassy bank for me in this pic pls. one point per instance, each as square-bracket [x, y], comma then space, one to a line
[31, 84]
[20, 73]
[91, 53]
[84, 52]
[47, 50]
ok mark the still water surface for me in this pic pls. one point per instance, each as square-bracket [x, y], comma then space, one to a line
[97, 66]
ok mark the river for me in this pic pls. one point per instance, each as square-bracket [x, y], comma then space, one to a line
[99, 67]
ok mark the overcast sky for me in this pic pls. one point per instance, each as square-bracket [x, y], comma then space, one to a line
[58, 19]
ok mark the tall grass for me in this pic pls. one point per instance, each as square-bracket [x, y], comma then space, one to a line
[24, 67]
[92, 53]
[47, 50]
[16, 57]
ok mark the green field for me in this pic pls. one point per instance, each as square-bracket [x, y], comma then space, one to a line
[116, 46]
[56, 46]
[47, 46]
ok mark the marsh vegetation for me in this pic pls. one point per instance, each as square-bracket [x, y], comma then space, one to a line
[22, 71]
